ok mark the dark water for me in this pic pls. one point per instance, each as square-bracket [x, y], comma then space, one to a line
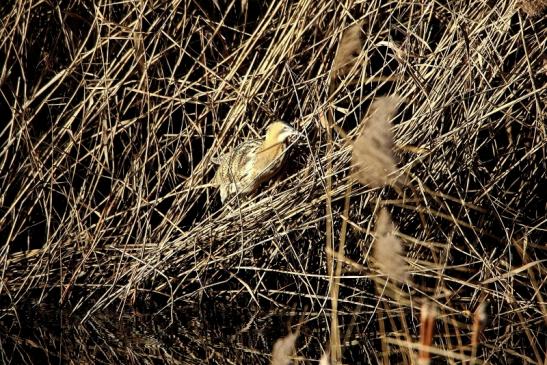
[213, 332]
[210, 333]
[190, 334]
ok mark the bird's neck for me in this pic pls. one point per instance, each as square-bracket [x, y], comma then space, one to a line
[268, 152]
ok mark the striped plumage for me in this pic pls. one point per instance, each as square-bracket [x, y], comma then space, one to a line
[252, 162]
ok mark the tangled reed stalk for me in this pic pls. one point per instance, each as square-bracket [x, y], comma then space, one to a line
[112, 112]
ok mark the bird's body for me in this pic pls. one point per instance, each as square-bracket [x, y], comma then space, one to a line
[243, 169]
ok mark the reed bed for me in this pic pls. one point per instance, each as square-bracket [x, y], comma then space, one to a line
[113, 113]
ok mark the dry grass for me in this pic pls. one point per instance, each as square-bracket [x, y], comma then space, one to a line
[112, 114]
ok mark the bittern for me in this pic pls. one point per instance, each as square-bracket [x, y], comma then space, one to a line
[243, 169]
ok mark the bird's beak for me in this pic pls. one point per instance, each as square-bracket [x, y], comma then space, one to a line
[294, 133]
[299, 134]
[289, 133]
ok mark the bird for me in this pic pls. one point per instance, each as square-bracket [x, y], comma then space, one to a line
[243, 169]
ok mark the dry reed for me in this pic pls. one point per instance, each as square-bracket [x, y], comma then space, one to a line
[388, 252]
[372, 154]
[111, 115]
[348, 50]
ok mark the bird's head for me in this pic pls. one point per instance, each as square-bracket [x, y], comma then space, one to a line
[278, 132]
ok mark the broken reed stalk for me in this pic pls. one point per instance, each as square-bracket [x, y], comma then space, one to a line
[427, 323]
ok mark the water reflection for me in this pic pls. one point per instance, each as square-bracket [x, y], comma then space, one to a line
[214, 333]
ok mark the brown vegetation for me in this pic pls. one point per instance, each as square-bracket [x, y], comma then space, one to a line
[112, 114]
